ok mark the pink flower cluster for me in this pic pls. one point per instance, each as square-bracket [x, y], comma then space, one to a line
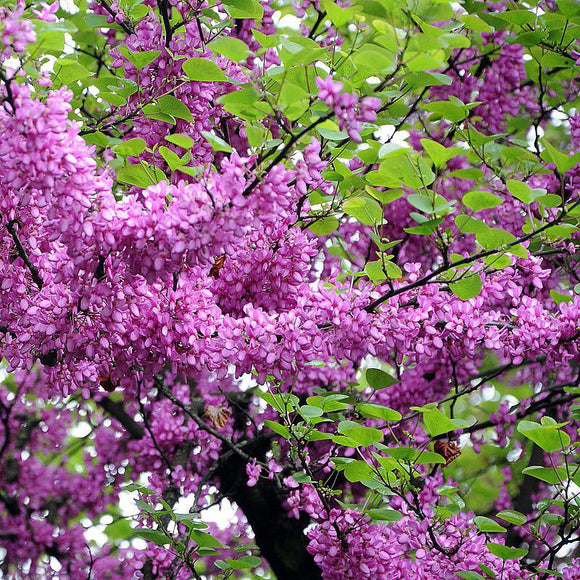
[197, 281]
[349, 110]
[349, 546]
[16, 32]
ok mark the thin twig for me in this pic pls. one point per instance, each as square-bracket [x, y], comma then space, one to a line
[22, 253]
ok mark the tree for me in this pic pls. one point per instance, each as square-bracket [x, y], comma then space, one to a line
[311, 264]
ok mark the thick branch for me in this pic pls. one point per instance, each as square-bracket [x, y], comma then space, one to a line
[164, 10]
[190, 412]
[281, 539]
[134, 429]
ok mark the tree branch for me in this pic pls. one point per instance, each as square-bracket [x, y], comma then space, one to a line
[116, 410]
[164, 10]
[22, 253]
[422, 281]
[125, 24]
[188, 410]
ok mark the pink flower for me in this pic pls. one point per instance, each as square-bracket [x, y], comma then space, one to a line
[253, 471]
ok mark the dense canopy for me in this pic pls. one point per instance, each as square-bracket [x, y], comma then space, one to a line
[290, 289]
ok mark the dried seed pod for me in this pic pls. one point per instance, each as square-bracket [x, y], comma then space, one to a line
[218, 264]
[448, 450]
[217, 416]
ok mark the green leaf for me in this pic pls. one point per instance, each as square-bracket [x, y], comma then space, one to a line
[379, 379]
[393, 271]
[358, 471]
[492, 238]
[68, 71]
[547, 474]
[378, 411]
[470, 225]
[477, 200]
[241, 9]
[282, 402]
[562, 161]
[364, 436]
[430, 204]
[172, 106]
[505, 552]
[204, 540]
[232, 48]
[119, 530]
[569, 7]
[559, 298]
[153, 536]
[140, 488]
[447, 110]
[426, 228]
[519, 17]
[154, 112]
[547, 437]
[310, 411]
[338, 16]
[329, 403]
[96, 21]
[97, 138]
[113, 98]
[191, 519]
[402, 453]
[438, 153]
[167, 507]
[203, 70]
[325, 226]
[301, 477]
[474, 23]
[171, 158]
[315, 435]
[299, 51]
[498, 261]
[436, 422]
[244, 563]
[365, 209]
[411, 455]
[142, 175]
[140, 59]
[513, 517]
[424, 457]
[131, 147]
[183, 141]
[470, 173]
[470, 575]
[144, 506]
[217, 143]
[467, 287]
[384, 514]
[549, 200]
[277, 428]
[427, 79]
[345, 441]
[523, 191]
[488, 525]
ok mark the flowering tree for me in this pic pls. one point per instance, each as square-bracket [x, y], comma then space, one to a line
[311, 266]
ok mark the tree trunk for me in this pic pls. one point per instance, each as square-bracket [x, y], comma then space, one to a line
[281, 539]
